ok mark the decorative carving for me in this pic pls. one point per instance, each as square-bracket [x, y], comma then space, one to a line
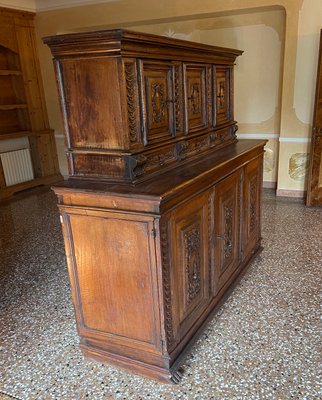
[191, 147]
[181, 150]
[195, 98]
[192, 263]
[176, 377]
[252, 203]
[166, 283]
[159, 159]
[221, 94]
[137, 165]
[178, 101]
[211, 282]
[209, 96]
[228, 236]
[158, 103]
[131, 99]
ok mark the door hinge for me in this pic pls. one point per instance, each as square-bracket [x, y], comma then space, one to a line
[154, 233]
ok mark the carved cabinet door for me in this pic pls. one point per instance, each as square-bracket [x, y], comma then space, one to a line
[188, 240]
[197, 96]
[157, 101]
[223, 92]
[251, 207]
[226, 209]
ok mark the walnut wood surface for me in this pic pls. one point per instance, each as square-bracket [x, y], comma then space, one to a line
[149, 263]
[162, 209]
[136, 104]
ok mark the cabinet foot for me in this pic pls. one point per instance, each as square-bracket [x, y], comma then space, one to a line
[176, 377]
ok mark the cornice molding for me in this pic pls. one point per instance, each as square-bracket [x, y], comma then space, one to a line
[24, 5]
[48, 5]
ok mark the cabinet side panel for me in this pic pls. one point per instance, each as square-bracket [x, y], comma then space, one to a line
[113, 268]
[91, 96]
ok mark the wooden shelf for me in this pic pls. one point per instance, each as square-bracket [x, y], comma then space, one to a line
[7, 107]
[15, 135]
[10, 72]
[22, 107]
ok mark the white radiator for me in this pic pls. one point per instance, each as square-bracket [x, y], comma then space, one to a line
[17, 166]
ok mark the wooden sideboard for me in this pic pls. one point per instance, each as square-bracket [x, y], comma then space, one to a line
[162, 209]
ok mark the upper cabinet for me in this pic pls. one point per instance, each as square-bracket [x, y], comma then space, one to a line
[22, 109]
[136, 104]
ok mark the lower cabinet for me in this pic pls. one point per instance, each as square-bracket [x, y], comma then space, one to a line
[147, 271]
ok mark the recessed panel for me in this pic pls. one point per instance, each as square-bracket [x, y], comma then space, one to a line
[113, 269]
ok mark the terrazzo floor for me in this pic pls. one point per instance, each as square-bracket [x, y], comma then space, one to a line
[264, 342]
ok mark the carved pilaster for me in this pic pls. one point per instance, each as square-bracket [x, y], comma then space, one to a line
[178, 106]
[166, 281]
[131, 99]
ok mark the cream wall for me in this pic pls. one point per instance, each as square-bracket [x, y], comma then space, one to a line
[274, 81]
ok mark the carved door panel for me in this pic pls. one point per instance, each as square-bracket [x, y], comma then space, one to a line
[190, 269]
[197, 99]
[314, 188]
[223, 95]
[157, 101]
[251, 205]
[226, 209]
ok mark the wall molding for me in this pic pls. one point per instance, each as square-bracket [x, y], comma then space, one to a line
[294, 140]
[291, 193]
[273, 136]
[269, 185]
[257, 135]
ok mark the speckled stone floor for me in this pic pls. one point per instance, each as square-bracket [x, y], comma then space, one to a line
[264, 342]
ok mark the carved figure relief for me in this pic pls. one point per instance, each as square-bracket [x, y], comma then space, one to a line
[221, 94]
[192, 263]
[195, 98]
[228, 236]
[158, 103]
[252, 203]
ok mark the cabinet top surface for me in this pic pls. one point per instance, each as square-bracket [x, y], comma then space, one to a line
[179, 179]
[128, 42]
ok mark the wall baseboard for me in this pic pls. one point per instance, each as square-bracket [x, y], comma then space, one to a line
[269, 185]
[291, 193]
